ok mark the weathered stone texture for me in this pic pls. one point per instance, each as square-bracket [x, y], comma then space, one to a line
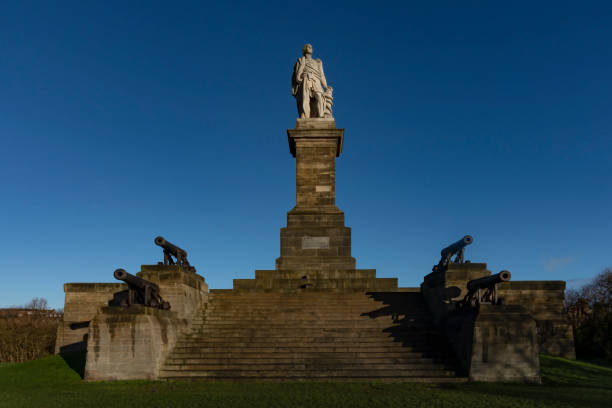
[544, 300]
[315, 236]
[491, 342]
[342, 280]
[184, 290]
[130, 343]
[496, 343]
[81, 304]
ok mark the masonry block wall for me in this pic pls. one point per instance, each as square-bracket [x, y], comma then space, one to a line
[491, 342]
[544, 300]
[130, 343]
[186, 291]
[82, 301]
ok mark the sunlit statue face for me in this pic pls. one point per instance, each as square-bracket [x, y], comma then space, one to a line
[307, 49]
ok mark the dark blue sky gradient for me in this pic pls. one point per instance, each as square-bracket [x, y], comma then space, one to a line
[120, 122]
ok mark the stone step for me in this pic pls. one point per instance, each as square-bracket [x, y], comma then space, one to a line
[246, 353]
[303, 367]
[262, 320]
[353, 283]
[316, 274]
[297, 322]
[261, 336]
[392, 379]
[293, 340]
[301, 360]
[356, 373]
[416, 346]
[315, 331]
[311, 297]
[315, 304]
[313, 324]
[297, 349]
[295, 298]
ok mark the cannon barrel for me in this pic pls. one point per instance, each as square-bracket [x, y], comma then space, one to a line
[122, 275]
[168, 246]
[456, 246]
[488, 281]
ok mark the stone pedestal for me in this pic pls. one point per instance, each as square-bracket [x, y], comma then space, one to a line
[315, 236]
[315, 247]
[128, 343]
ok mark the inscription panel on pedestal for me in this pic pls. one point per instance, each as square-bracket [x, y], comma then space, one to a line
[315, 242]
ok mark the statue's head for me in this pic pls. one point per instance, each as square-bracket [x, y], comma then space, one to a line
[307, 49]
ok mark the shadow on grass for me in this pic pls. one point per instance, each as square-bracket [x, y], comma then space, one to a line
[564, 381]
[76, 361]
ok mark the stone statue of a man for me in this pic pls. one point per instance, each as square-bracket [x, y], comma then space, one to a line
[307, 85]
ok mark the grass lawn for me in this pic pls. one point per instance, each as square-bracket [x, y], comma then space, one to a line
[51, 382]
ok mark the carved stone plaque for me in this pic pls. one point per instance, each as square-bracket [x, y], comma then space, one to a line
[322, 189]
[315, 242]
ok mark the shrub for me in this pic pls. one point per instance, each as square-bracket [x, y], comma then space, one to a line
[27, 334]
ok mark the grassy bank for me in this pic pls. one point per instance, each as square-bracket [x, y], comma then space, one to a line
[51, 382]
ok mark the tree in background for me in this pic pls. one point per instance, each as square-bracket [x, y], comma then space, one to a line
[37, 304]
[590, 312]
[28, 332]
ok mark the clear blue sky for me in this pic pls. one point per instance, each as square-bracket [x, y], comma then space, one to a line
[120, 121]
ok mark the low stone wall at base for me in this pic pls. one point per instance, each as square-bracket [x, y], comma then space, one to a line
[130, 343]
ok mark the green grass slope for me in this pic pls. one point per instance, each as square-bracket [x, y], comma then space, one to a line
[52, 382]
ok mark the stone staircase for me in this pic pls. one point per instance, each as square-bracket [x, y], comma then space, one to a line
[313, 336]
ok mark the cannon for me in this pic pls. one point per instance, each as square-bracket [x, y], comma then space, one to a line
[140, 291]
[456, 248]
[171, 250]
[484, 290]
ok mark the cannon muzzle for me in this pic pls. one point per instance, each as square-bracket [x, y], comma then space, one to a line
[120, 274]
[173, 249]
[132, 280]
[488, 281]
[456, 246]
[141, 291]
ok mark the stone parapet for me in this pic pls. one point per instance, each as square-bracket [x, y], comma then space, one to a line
[130, 343]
